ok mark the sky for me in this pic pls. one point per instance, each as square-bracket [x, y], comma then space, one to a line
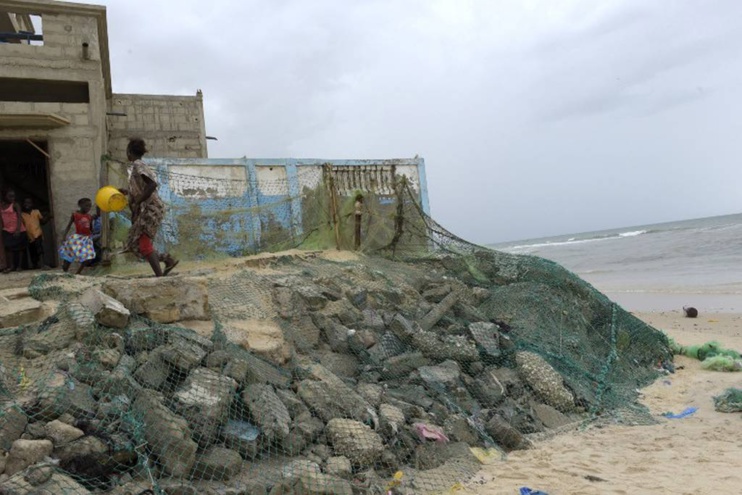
[534, 117]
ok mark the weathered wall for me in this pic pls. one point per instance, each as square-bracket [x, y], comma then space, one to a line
[75, 149]
[171, 125]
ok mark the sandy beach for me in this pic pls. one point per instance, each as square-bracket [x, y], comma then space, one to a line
[699, 454]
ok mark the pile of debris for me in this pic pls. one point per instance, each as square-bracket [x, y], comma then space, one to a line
[302, 375]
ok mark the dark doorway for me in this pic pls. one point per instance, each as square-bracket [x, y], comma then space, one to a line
[25, 169]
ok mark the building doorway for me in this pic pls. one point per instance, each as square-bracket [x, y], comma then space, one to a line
[25, 169]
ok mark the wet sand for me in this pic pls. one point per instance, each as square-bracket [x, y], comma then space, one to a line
[699, 454]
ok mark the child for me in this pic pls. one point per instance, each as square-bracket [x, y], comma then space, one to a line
[14, 238]
[33, 220]
[79, 246]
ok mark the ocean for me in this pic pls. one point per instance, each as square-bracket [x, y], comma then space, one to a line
[657, 267]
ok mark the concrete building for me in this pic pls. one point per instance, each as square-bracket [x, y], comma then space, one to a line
[59, 116]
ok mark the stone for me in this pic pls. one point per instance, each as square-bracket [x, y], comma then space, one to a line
[140, 337]
[550, 417]
[204, 328]
[12, 425]
[339, 466]
[345, 365]
[217, 463]
[355, 441]
[82, 454]
[296, 469]
[336, 335]
[267, 411]
[154, 372]
[261, 371]
[401, 366]
[373, 320]
[183, 355]
[3, 460]
[107, 358]
[322, 484]
[454, 347]
[262, 337]
[167, 435]
[446, 374]
[479, 295]
[329, 397]
[163, 299]
[38, 475]
[436, 293]
[204, 400]
[61, 433]
[20, 486]
[241, 436]
[391, 419]
[107, 310]
[24, 453]
[237, 369]
[303, 333]
[294, 405]
[62, 394]
[17, 308]
[544, 380]
[218, 359]
[312, 297]
[504, 434]
[308, 426]
[486, 335]
[458, 429]
[371, 393]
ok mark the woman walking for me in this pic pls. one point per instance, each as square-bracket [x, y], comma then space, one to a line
[147, 210]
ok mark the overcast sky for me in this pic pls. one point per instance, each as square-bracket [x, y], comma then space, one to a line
[535, 118]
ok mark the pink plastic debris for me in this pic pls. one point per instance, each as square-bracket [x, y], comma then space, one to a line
[430, 432]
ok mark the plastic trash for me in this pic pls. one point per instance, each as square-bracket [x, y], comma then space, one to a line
[430, 432]
[527, 491]
[684, 414]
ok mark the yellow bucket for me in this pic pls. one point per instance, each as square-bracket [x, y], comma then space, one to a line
[109, 198]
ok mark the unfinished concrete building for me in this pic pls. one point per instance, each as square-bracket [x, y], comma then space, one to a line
[59, 116]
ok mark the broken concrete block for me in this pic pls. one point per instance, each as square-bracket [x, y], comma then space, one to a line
[355, 441]
[204, 400]
[163, 299]
[107, 310]
[267, 411]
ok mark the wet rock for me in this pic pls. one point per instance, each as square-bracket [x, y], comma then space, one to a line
[355, 441]
[545, 381]
[339, 466]
[24, 453]
[204, 400]
[217, 463]
[12, 425]
[107, 310]
[163, 299]
[267, 411]
[167, 434]
[61, 433]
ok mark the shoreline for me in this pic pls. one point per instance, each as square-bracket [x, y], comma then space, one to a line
[655, 302]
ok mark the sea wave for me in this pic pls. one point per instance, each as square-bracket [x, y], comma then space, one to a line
[574, 240]
[633, 233]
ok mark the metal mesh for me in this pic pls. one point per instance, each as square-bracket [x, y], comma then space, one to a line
[391, 370]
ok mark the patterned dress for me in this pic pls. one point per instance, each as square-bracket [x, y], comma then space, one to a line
[148, 217]
[79, 246]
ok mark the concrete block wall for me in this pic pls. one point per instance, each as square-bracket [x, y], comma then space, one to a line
[75, 149]
[172, 126]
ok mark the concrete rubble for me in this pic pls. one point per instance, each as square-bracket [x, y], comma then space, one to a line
[362, 381]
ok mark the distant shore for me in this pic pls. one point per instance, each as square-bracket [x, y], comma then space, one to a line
[651, 302]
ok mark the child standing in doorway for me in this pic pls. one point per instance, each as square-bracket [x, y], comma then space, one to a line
[33, 220]
[79, 246]
[14, 232]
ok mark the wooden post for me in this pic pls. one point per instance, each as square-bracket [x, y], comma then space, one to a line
[333, 204]
[358, 213]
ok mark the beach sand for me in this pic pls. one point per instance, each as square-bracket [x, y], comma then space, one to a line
[699, 454]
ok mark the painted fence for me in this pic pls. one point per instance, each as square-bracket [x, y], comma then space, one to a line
[236, 206]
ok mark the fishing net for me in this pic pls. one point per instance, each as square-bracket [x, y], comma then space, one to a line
[381, 354]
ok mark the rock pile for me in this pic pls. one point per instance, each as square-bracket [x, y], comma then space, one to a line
[363, 378]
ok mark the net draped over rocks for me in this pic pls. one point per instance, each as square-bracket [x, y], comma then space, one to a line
[313, 372]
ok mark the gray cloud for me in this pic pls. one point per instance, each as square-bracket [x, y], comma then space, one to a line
[534, 118]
